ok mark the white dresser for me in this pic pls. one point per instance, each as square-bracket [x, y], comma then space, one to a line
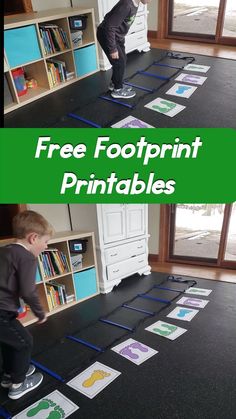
[136, 38]
[121, 236]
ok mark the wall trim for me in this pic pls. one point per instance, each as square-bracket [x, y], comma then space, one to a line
[153, 258]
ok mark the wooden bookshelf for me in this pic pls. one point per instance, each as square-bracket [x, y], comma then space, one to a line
[80, 284]
[24, 47]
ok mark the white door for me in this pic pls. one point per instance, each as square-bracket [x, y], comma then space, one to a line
[113, 217]
[135, 219]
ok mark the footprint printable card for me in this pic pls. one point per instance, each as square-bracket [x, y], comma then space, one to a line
[181, 90]
[191, 78]
[196, 67]
[198, 291]
[167, 330]
[131, 122]
[165, 106]
[182, 313]
[94, 379]
[134, 351]
[192, 302]
[53, 406]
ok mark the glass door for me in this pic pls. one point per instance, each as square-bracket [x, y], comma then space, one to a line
[194, 18]
[209, 20]
[229, 256]
[228, 32]
[195, 232]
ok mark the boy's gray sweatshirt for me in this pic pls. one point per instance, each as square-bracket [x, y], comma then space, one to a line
[17, 279]
[117, 22]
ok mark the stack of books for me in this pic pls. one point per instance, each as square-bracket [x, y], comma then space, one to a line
[57, 72]
[54, 38]
[53, 262]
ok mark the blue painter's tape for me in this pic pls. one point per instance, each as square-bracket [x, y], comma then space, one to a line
[166, 289]
[146, 73]
[149, 297]
[109, 99]
[146, 89]
[116, 324]
[151, 313]
[4, 413]
[47, 370]
[84, 342]
[167, 65]
[86, 121]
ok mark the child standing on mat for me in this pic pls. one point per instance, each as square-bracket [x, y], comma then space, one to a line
[18, 262]
[111, 36]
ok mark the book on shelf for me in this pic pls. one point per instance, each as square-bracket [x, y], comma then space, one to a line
[54, 38]
[38, 277]
[53, 262]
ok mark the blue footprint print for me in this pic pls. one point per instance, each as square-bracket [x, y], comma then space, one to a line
[183, 312]
[182, 89]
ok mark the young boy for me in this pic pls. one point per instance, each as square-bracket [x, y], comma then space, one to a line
[111, 36]
[17, 280]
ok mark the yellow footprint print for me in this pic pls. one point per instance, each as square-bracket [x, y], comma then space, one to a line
[95, 376]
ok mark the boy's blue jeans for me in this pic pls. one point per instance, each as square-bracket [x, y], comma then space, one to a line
[16, 346]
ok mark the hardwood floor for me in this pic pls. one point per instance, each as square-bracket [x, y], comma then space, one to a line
[213, 50]
[215, 274]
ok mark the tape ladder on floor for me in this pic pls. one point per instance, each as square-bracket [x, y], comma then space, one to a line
[147, 90]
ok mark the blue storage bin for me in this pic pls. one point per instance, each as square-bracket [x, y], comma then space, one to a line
[85, 283]
[85, 60]
[21, 45]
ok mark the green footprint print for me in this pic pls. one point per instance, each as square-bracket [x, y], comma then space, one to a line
[168, 106]
[168, 332]
[43, 404]
[57, 413]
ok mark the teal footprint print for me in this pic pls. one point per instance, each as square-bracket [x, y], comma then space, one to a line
[182, 89]
[183, 312]
[42, 405]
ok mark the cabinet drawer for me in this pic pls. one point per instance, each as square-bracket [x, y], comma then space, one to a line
[138, 25]
[119, 253]
[126, 268]
[134, 40]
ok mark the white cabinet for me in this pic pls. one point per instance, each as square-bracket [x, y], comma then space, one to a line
[136, 39]
[121, 236]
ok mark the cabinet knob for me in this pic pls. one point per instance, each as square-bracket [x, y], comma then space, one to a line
[114, 254]
[115, 271]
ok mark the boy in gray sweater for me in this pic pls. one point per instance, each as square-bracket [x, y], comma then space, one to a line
[18, 263]
[111, 36]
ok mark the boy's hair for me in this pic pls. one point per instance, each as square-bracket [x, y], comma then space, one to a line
[28, 221]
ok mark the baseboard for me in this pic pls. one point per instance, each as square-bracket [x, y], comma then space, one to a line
[153, 34]
[153, 258]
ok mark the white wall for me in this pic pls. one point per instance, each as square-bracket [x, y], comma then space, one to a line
[58, 217]
[56, 214]
[153, 15]
[49, 4]
[153, 228]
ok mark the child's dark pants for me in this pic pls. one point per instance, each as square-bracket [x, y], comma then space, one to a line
[118, 65]
[16, 346]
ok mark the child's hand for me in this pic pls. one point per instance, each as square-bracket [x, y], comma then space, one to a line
[115, 55]
[42, 321]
